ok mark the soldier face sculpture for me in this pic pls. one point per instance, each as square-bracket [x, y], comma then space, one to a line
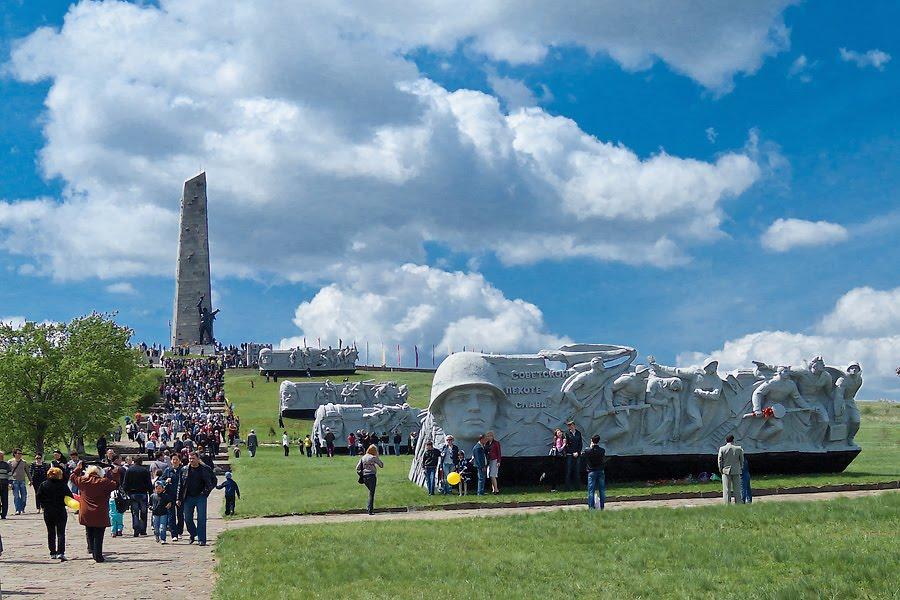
[816, 365]
[711, 367]
[469, 411]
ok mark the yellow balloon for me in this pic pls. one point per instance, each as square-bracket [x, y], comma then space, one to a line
[453, 478]
[72, 503]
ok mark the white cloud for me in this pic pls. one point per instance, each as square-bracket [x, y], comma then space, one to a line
[514, 93]
[785, 234]
[123, 287]
[415, 304]
[863, 326]
[308, 133]
[864, 312]
[711, 135]
[708, 42]
[871, 58]
[800, 69]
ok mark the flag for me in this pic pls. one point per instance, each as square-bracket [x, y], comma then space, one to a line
[340, 343]
[304, 342]
[367, 351]
[416, 348]
[318, 341]
[383, 356]
[398, 355]
[432, 355]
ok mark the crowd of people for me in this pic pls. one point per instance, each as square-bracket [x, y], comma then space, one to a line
[165, 487]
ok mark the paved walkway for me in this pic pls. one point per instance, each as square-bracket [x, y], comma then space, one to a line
[135, 568]
[139, 568]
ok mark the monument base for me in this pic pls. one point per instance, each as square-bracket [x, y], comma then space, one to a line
[204, 349]
[528, 471]
[299, 413]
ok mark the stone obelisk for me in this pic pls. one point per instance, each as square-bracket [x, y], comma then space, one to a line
[192, 281]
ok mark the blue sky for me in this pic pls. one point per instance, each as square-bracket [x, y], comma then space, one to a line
[816, 129]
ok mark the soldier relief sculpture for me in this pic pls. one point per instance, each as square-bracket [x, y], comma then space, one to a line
[309, 360]
[299, 400]
[680, 416]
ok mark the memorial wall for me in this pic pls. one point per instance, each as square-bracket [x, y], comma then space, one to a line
[311, 361]
[654, 420]
[300, 400]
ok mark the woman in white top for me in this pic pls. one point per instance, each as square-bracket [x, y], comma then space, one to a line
[367, 468]
[286, 443]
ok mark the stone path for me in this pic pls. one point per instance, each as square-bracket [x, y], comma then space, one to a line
[135, 568]
[139, 568]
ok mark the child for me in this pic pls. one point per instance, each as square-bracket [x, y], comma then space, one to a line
[160, 503]
[307, 444]
[231, 490]
[237, 451]
[116, 523]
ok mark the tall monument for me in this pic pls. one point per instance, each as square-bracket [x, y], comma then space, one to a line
[193, 315]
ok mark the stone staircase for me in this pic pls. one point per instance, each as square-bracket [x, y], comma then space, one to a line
[221, 461]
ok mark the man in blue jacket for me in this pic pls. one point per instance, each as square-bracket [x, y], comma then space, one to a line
[479, 457]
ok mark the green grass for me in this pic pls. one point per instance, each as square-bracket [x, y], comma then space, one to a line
[845, 548]
[271, 484]
[258, 405]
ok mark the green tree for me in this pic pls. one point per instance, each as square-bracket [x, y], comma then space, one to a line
[64, 382]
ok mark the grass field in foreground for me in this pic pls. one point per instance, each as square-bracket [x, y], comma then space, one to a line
[258, 405]
[845, 548]
[272, 484]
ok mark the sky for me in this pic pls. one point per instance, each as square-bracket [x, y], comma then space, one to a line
[687, 178]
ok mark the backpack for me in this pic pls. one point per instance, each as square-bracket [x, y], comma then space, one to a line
[122, 500]
[359, 471]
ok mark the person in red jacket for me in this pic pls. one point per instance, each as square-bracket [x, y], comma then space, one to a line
[492, 447]
[94, 510]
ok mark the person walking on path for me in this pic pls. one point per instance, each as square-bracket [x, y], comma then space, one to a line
[493, 455]
[595, 463]
[430, 460]
[160, 503]
[573, 448]
[37, 473]
[70, 468]
[4, 485]
[94, 510]
[138, 485]
[286, 443]
[18, 470]
[367, 469]
[479, 461]
[198, 482]
[252, 443]
[731, 462]
[746, 491]
[449, 461]
[329, 442]
[232, 492]
[52, 495]
[173, 476]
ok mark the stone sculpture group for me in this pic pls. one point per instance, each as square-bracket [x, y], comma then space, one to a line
[309, 360]
[796, 417]
[341, 419]
[300, 399]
